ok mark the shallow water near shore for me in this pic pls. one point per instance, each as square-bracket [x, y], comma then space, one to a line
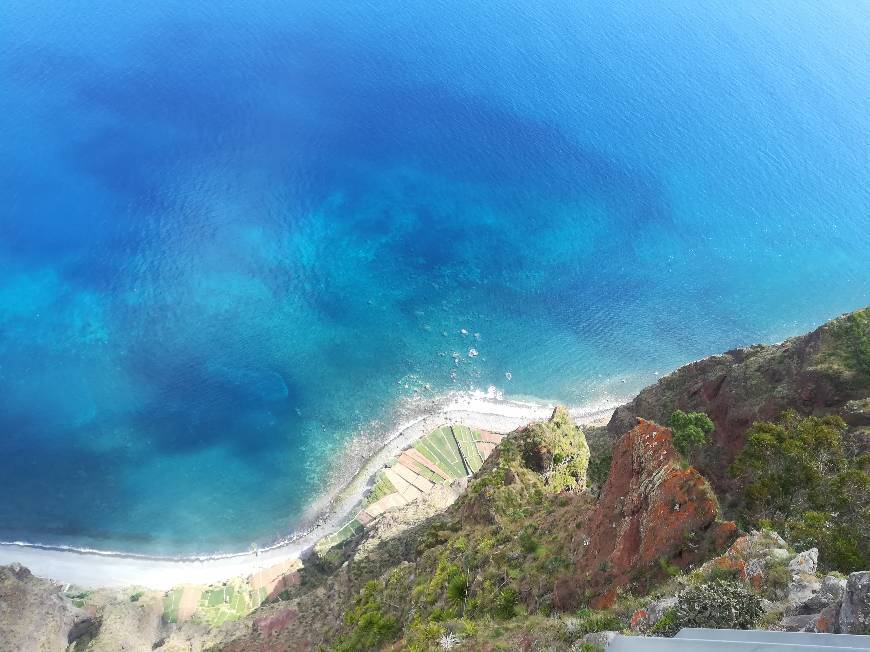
[239, 245]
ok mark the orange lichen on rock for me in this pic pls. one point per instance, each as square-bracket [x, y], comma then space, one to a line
[639, 616]
[652, 512]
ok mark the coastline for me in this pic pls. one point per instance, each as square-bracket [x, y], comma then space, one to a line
[96, 568]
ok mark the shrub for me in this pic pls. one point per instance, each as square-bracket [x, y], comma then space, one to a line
[589, 622]
[800, 481]
[457, 588]
[668, 625]
[370, 628]
[777, 578]
[691, 431]
[506, 603]
[718, 605]
[528, 544]
[599, 469]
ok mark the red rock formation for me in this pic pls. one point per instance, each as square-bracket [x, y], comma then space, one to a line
[652, 511]
[807, 374]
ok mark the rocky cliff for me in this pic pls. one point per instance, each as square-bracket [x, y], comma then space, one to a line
[653, 513]
[526, 556]
[826, 371]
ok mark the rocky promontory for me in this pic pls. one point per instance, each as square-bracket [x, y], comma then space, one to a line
[540, 539]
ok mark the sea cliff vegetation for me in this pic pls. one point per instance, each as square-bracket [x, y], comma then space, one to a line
[670, 516]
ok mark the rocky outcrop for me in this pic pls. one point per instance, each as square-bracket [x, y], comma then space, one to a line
[817, 373]
[125, 625]
[793, 590]
[854, 613]
[653, 513]
[35, 614]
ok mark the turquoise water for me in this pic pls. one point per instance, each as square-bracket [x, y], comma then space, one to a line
[234, 235]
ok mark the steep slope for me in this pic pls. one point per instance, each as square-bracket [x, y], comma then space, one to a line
[35, 614]
[653, 513]
[825, 371]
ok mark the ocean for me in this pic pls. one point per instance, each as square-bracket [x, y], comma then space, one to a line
[239, 242]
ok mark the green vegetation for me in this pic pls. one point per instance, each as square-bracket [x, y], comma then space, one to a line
[599, 469]
[440, 447]
[170, 605]
[136, 596]
[800, 482]
[78, 599]
[486, 569]
[691, 431]
[718, 605]
[465, 438]
[846, 342]
[589, 621]
[348, 531]
[371, 627]
[668, 625]
[506, 603]
[382, 487]
[557, 449]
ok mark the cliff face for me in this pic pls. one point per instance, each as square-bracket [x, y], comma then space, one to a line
[652, 514]
[825, 371]
[35, 614]
[525, 543]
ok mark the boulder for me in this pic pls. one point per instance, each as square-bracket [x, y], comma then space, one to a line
[854, 616]
[830, 593]
[799, 623]
[644, 619]
[805, 562]
[828, 620]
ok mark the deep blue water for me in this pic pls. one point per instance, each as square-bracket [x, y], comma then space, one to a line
[234, 234]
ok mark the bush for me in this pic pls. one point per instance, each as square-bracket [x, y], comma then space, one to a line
[506, 603]
[777, 577]
[370, 627]
[457, 588]
[691, 431]
[718, 605]
[588, 621]
[668, 625]
[800, 481]
[528, 544]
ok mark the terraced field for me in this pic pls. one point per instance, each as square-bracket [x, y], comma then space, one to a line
[466, 440]
[170, 605]
[441, 448]
[215, 605]
[439, 458]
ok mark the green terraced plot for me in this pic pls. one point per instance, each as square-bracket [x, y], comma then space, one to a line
[383, 487]
[218, 606]
[465, 439]
[214, 598]
[427, 473]
[343, 534]
[170, 605]
[440, 448]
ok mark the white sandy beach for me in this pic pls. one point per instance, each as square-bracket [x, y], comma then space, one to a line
[89, 568]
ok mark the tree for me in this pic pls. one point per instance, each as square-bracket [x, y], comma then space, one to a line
[798, 479]
[691, 431]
